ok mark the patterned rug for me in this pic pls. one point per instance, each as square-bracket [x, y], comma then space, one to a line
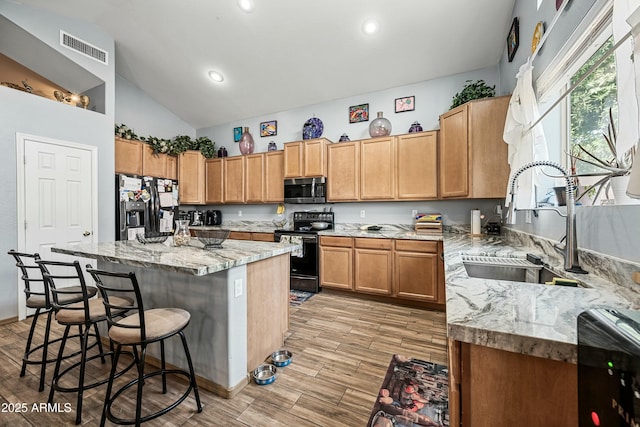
[298, 297]
[414, 393]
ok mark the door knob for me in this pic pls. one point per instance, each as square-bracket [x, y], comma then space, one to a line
[86, 233]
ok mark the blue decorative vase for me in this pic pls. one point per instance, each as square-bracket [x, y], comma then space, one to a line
[415, 127]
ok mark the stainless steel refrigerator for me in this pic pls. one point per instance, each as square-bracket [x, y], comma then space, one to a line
[146, 205]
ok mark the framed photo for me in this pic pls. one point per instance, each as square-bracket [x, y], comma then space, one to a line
[359, 113]
[269, 128]
[513, 39]
[237, 133]
[408, 103]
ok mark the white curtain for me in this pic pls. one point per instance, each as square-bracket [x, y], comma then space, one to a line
[525, 144]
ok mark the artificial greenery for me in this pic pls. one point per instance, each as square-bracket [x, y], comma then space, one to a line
[471, 91]
[179, 144]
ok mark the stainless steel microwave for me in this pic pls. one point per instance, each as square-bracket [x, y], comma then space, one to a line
[305, 190]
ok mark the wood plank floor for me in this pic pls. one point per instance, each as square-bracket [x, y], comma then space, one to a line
[341, 349]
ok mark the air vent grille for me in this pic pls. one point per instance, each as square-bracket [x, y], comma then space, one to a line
[86, 49]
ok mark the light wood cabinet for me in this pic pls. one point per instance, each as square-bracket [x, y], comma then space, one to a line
[336, 262]
[473, 155]
[191, 177]
[417, 166]
[254, 178]
[343, 171]
[128, 156]
[373, 261]
[416, 270]
[377, 169]
[234, 179]
[274, 177]
[305, 158]
[214, 186]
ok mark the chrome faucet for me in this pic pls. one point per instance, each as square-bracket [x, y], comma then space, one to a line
[570, 249]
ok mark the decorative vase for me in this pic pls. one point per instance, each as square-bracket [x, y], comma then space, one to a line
[380, 126]
[415, 127]
[246, 142]
[182, 235]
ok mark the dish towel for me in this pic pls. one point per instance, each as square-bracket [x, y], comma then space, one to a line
[525, 145]
[294, 240]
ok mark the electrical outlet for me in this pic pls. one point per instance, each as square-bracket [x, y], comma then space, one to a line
[414, 213]
[527, 217]
[362, 215]
[239, 213]
[237, 288]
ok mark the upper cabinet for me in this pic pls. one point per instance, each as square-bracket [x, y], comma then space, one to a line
[473, 155]
[128, 156]
[305, 158]
[191, 177]
[417, 166]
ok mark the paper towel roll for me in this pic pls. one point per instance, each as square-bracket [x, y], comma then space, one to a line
[475, 221]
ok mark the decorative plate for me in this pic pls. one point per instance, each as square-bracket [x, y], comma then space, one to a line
[537, 35]
[312, 128]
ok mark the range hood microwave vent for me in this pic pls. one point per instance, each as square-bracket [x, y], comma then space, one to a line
[84, 48]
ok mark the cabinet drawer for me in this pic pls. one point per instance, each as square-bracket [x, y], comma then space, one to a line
[374, 243]
[417, 246]
[343, 242]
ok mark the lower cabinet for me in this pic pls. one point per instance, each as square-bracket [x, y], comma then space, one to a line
[404, 269]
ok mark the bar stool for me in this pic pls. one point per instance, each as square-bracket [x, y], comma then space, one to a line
[139, 330]
[84, 314]
[39, 300]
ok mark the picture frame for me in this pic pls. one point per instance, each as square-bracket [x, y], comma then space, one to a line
[237, 133]
[513, 39]
[407, 103]
[359, 113]
[269, 128]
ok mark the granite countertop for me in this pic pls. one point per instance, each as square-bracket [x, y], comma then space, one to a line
[527, 318]
[191, 259]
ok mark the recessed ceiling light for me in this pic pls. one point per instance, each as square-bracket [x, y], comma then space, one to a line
[246, 5]
[216, 76]
[370, 26]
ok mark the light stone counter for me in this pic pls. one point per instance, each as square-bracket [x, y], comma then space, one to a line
[531, 319]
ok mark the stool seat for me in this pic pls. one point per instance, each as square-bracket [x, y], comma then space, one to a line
[73, 314]
[74, 295]
[159, 322]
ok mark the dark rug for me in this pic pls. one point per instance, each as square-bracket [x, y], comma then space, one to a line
[298, 297]
[413, 393]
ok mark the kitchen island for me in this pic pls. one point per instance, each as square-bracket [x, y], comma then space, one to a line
[238, 298]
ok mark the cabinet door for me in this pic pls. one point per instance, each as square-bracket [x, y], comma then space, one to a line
[377, 169]
[214, 181]
[336, 267]
[274, 176]
[191, 177]
[254, 178]
[234, 179]
[314, 157]
[128, 156]
[417, 165]
[293, 159]
[172, 167]
[416, 275]
[373, 261]
[153, 164]
[454, 153]
[343, 177]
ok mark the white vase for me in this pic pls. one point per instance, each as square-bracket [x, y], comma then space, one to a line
[619, 187]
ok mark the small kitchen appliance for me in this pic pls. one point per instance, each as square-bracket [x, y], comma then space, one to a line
[609, 367]
[305, 269]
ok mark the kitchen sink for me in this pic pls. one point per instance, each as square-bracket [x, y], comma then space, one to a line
[506, 268]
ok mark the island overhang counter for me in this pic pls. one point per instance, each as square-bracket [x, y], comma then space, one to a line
[238, 298]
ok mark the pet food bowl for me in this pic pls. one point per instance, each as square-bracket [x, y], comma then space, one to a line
[281, 358]
[265, 374]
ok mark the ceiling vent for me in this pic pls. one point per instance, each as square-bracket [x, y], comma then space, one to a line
[86, 49]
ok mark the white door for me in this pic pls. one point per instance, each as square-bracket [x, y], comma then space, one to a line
[58, 195]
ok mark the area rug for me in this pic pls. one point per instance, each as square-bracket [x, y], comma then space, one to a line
[413, 393]
[298, 297]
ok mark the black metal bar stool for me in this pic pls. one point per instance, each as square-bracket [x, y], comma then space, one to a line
[84, 314]
[139, 330]
[38, 298]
